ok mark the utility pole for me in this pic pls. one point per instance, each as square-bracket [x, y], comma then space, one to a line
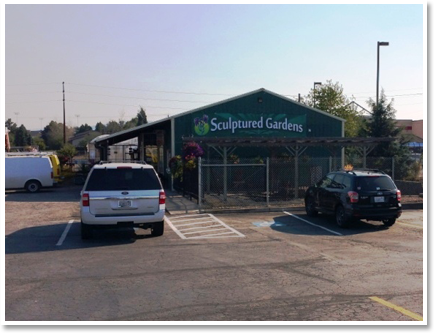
[64, 124]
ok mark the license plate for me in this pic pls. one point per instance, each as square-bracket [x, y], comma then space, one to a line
[124, 203]
[378, 199]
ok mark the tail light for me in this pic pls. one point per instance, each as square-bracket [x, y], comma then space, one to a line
[162, 198]
[354, 196]
[398, 195]
[52, 175]
[85, 200]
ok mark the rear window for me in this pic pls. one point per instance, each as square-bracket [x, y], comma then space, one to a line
[374, 183]
[123, 180]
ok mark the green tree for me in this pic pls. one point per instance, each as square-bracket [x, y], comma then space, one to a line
[83, 128]
[10, 125]
[113, 127]
[382, 124]
[52, 135]
[66, 153]
[142, 117]
[39, 142]
[22, 137]
[100, 127]
[330, 98]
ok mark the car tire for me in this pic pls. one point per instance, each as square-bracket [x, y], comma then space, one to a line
[158, 229]
[389, 222]
[86, 231]
[341, 219]
[310, 207]
[33, 186]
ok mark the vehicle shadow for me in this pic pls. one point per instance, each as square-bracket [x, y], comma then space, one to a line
[323, 225]
[60, 193]
[48, 238]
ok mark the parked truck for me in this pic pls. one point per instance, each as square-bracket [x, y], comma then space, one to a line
[28, 172]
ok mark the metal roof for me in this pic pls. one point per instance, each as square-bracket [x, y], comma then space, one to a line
[133, 132]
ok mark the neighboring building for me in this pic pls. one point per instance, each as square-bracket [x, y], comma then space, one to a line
[413, 129]
[122, 151]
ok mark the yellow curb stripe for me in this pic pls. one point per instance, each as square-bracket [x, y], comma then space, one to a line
[411, 225]
[397, 308]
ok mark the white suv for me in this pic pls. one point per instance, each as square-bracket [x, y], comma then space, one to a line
[122, 195]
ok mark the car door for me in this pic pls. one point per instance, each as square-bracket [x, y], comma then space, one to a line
[335, 190]
[324, 192]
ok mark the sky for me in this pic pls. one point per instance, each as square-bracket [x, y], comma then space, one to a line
[168, 59]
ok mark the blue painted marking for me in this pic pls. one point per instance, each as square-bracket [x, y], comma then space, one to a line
[261, 224]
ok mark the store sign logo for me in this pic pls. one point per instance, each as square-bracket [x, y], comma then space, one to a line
[249, 124]
[201, 126]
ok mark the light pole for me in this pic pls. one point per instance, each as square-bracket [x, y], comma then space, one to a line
[378, 65]
[315, 84]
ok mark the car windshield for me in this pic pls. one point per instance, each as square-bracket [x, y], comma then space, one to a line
[374, 183]
[123, 179]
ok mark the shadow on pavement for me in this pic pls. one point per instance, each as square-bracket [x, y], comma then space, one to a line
[59, 193]
[46, 238]
[292, 225]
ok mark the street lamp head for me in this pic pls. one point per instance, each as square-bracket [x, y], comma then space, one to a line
[383, 43]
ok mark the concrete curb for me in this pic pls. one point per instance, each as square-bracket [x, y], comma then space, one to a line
[408, 206]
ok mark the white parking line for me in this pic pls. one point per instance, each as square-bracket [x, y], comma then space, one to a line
[316, 225]
[65, 232]
[201, 226]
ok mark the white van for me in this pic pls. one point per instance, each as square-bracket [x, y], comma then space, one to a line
[28, 172]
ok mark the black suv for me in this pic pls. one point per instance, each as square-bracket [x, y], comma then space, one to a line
[355, 195]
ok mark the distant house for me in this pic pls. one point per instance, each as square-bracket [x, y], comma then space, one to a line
[78, 139]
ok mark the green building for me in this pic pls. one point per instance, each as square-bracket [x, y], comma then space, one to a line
[258, 124]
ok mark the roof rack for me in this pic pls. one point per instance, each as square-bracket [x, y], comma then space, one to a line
[121, 161]
[367, 170]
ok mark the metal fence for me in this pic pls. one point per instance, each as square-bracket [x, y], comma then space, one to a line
[253, 182]
[268, 182]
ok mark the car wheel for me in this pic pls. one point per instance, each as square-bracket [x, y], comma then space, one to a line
[86, 231]
[389, 222]
[33, 186]
[310, 207]
[158, 229]
[341, 219]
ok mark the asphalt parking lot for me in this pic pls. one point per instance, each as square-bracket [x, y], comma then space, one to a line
[273, 266]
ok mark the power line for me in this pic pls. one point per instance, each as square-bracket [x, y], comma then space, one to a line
[154, 91]
[150, 99]
[148, 106]
[30, 84]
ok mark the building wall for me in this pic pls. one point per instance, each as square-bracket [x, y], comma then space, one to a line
[411, 128]
[418, 128]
